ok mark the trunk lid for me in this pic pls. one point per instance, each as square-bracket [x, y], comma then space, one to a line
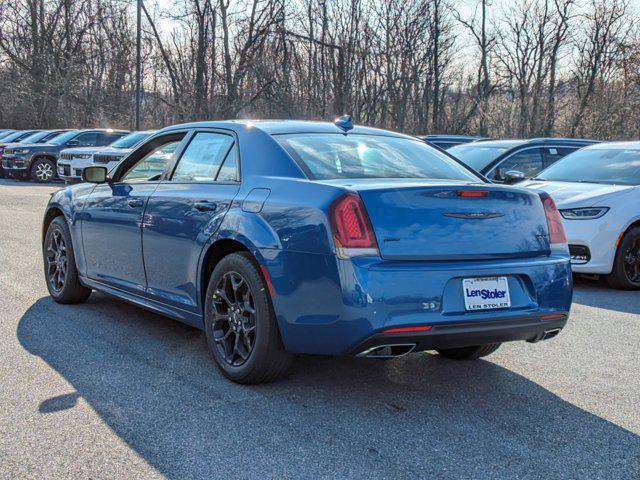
[445, 221]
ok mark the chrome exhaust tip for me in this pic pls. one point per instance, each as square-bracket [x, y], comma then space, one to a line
[550, 333]
[388, 351]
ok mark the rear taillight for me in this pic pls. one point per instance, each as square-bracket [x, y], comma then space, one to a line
[554, 220]
[352, 231]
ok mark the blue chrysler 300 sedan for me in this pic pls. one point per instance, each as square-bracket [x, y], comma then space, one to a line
[284, 237]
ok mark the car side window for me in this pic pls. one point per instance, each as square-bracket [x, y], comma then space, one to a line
[527, 161]
[229, 169]
[89, 139]
[552, 155]
[152, 165]
[203, 157]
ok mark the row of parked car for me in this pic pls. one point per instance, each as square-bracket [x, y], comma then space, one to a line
[44, 155]
[595, 185]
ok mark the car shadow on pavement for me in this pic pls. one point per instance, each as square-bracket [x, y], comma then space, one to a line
[154, 384]
[598, 294]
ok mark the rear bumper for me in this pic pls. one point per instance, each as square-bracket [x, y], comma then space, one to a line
[329, 306]
[530, 329]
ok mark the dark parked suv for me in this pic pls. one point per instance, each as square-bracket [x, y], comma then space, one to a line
[15, 136]
[38, 160]
[510, 161]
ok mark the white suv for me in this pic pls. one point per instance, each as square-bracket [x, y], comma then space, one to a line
[73, 161]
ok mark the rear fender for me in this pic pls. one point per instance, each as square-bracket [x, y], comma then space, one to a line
[248, 229]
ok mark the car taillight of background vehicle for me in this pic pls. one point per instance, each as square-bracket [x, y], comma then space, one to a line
[352, 231]
[557, 238]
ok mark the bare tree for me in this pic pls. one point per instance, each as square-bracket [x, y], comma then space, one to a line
[485, 42]
[605, 30]
[538, 67]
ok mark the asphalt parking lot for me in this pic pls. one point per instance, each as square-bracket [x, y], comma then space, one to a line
[107, 390]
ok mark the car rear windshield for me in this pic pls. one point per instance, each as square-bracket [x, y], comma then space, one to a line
[334, 156]
[130, 140]
[475, 155]
[599, 165]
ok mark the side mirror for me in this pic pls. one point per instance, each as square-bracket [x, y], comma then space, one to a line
[95, 174]
[513, 176]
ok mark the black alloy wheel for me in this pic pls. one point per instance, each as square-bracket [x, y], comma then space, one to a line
[234, 319]
[632, 261]
[240, 322]
[57, 261]
[625, 274]
[60, 271]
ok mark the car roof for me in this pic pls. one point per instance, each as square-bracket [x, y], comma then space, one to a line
[437, 137]
[494, 143]
[563, 140]
[109, 130]
[633, 145]
[61, 130]
[279, 127]
[511, 143]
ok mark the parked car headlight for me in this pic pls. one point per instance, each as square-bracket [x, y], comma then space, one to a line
[83, 155]
[20, 151]
[587, 213]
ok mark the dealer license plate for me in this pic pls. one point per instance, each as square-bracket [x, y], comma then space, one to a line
[486, 293]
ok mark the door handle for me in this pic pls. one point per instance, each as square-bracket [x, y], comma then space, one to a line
[205, 206]
[135, 203]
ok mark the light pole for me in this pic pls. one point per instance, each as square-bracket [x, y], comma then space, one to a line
[138, 61]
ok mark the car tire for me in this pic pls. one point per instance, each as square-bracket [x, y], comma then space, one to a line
[60, 269]
[240, 323]
[469, 353]
[43, 170]
[627, 261]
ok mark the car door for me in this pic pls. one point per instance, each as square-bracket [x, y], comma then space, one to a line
[184, 212]
[113, 213]
[528, 161]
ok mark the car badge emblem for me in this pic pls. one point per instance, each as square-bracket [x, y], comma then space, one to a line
[472, 215]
